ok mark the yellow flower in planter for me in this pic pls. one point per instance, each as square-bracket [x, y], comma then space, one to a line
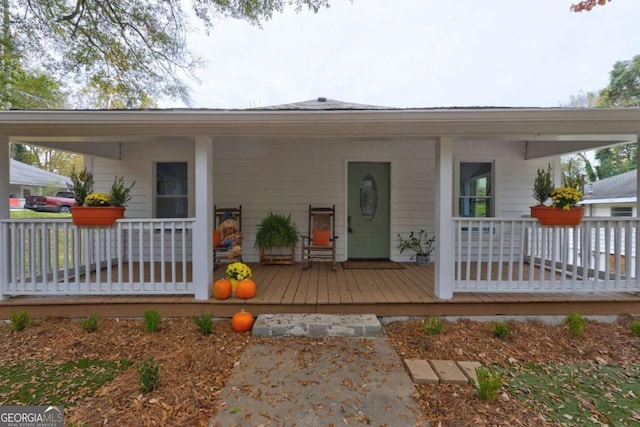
[97, 199]
[565, 197]
[238, 271]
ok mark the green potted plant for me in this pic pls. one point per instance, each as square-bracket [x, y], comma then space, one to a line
[563, 210]
[420, 243]
[276, 239]
[543, 185]
[95, 209]
[119, 194]
[81, 184]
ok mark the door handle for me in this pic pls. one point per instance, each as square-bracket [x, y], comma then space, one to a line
[349, 229]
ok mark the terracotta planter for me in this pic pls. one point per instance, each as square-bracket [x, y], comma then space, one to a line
[95, 215]
[548, 215]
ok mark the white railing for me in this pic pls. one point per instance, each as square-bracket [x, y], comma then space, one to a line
[135, 256]
[519, 255]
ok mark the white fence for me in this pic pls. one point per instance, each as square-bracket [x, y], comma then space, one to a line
[135, 256]
[519, 255]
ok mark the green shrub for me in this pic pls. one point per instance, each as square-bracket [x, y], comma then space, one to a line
[148, 375]
[635, 328]
[19, 321]
[488, 383]
[501, 330]
[152, 320]
[90, 324]
[576, 324]
[204, 323]
[433, 325]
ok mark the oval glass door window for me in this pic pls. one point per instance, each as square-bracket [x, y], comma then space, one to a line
[368, 197]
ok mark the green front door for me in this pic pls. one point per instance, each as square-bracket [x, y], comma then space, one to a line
[368, 214]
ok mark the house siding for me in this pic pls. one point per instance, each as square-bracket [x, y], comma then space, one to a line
[285, 176]
[604, 209]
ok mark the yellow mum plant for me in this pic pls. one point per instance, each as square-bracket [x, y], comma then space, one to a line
[97, 199]
[238, 271]
[565, 197]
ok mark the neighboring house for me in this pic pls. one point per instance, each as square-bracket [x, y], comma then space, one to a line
[613, 196]
[465, 174]
[26, 180]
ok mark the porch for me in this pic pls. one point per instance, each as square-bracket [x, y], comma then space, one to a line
[404, 291]
[501, 266]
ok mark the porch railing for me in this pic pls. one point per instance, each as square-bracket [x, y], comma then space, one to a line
[519, 255]
[135, 256]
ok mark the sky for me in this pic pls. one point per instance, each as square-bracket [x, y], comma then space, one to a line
[416, 54]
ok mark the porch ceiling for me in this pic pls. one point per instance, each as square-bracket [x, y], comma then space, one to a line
[577, 129]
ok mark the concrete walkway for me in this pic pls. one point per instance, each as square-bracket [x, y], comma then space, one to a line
[341, 381]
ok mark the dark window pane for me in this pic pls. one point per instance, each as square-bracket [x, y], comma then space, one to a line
[172, 181]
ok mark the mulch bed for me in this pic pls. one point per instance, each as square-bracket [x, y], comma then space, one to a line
[195, 368]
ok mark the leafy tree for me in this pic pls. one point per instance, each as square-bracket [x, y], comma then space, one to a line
[135, 48]
[587, 5]
[616, 160]
[588, 168]
[624, 85]
[623, 91]
[582, 100]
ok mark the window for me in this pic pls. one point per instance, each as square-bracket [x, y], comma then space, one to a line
[475, 192]
[172, 197]
[622, 211]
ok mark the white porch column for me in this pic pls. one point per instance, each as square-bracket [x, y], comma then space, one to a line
[5, 177]
[445, 237]
[202, 229]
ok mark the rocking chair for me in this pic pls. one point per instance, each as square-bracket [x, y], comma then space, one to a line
[227, 235]
[319, 243]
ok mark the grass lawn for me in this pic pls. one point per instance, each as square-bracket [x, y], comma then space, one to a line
[38, 382]
[33, 214]
[582, 394]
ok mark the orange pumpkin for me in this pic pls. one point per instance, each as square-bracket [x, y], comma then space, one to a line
[242, 321]
[222, 289]
[246, 289]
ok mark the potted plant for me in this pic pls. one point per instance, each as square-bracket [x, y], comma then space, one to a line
[97, 208]
[420, 243]
[563, 210]
[276, 239]
[543, 185]
[81, 184]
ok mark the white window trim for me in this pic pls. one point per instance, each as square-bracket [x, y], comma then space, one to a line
[495, 188]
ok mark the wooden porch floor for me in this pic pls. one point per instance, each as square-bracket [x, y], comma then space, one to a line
[408, 291]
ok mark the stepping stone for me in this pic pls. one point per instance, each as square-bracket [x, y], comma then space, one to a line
[469, 369]
[420, 371]
[318, 325]
[448, 372]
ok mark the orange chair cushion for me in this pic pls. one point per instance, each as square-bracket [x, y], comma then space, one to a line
[216, 238]
[321, 237]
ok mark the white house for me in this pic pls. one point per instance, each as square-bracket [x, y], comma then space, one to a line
[465, 174]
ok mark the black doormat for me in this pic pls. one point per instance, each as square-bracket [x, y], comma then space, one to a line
[380, 265]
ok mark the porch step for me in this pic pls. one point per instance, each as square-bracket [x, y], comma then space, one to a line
[317, 325]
